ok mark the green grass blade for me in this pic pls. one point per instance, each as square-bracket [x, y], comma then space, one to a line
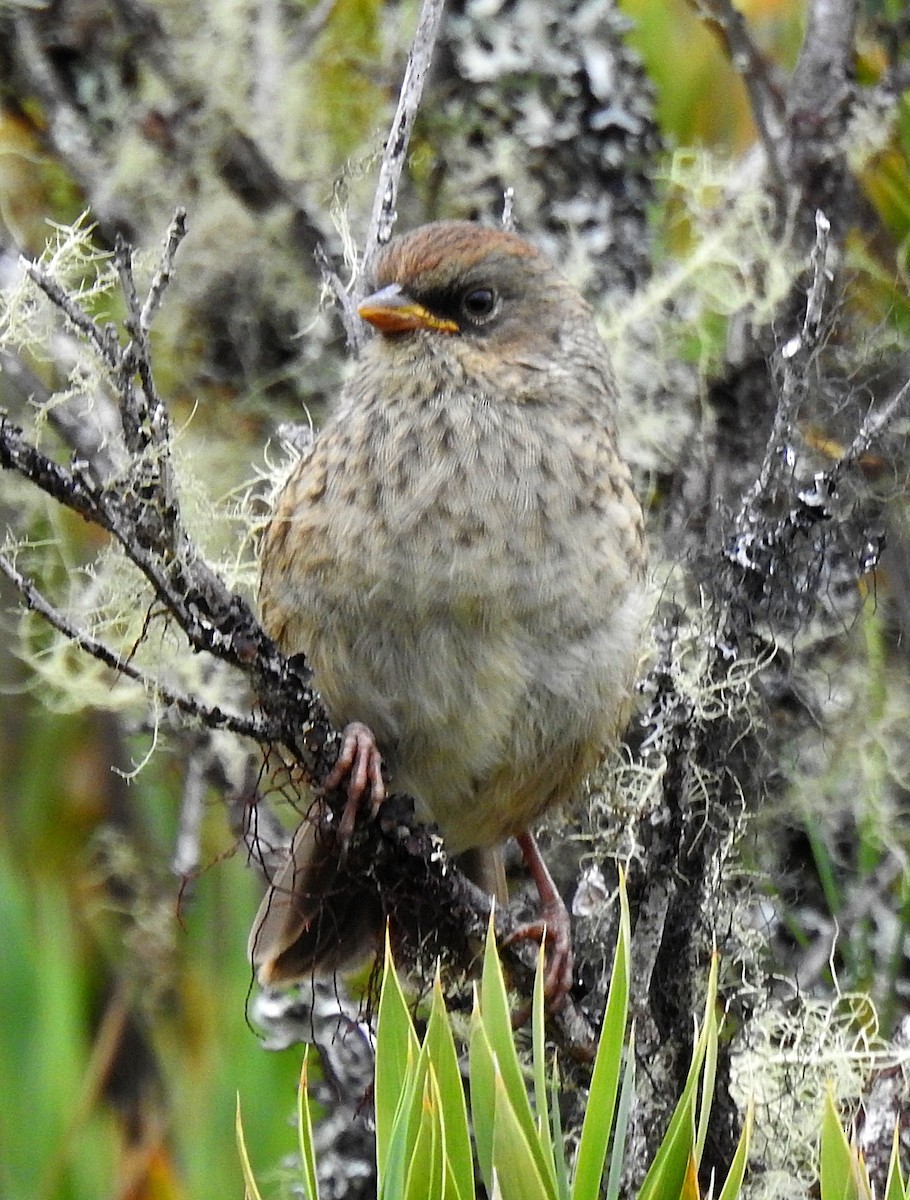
[709, 1072]
[426, 1169]
[451, 1183]
[453, 1112]
[623, 1110]
[483, 1093]
[895, 1188]
[404, 1133]
[305, 1132]
[600, 1112]
[667, 1174]
[552, 1150]
[515, 1165]
[497, 1021]
[690, 1182]
[252, 1191]
[397, 1051]
[734, 1182]
[563, 1186]
[668, 1171]
[538, 1042]
[838, 1173]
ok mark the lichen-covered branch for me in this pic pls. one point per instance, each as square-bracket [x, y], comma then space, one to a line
[760, 579]
[209, 715]
[142, 513]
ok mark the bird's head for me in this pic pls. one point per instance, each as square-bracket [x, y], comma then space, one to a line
[484, 296]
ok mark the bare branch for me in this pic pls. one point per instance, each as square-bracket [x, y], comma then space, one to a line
[90, 425]
[384, 214]
[794, 355]
[311, 25]
[820, 96]
[876, 423]
[151, 533]
[175, 235]
[821, 277]
[186, 856]
[787, 518]
[70, 488]
[385, 200]
[800, 125]
[508, 209]
[145, 420]
[764, 90]
[820, 81]
[68, 128]
[353, 326]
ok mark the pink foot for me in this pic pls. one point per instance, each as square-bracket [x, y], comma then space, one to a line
[554, 925]
[360, 763]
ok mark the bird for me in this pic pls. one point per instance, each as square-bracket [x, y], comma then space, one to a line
[461, 558]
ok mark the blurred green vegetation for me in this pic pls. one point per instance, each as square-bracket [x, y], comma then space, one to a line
[701, 100]
[102, 947]
[124, 1040]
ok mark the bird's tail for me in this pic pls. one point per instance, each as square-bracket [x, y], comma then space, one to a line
[314, 919]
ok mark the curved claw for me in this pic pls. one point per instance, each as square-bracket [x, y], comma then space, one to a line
[554, 925]
[556, 929]
[360, 763]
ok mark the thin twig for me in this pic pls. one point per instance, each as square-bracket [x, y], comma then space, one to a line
[68, 126]
[175, 235]
[186, 857]
[385, 199]
[311, 26]
[103, 338]
[819, 98]
[874, 425]
[70, 488]
[353, 326]
[213, 716]
[89, 425]
[765, 97]
[821, 277]
[793, 355]
[145, 420]
[212, 619]
[508, 209]
[821, 78]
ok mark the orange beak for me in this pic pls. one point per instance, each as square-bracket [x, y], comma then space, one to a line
[391, 310]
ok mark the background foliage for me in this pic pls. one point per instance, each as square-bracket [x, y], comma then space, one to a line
[124, 989]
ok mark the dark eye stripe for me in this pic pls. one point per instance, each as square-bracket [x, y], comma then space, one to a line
[471, 308]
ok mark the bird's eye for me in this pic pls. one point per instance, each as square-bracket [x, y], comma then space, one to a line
[479, 304]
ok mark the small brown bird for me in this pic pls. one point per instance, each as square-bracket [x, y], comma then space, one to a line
[460, 556]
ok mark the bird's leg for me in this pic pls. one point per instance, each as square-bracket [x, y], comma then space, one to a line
[554, 924]
[360, 762]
